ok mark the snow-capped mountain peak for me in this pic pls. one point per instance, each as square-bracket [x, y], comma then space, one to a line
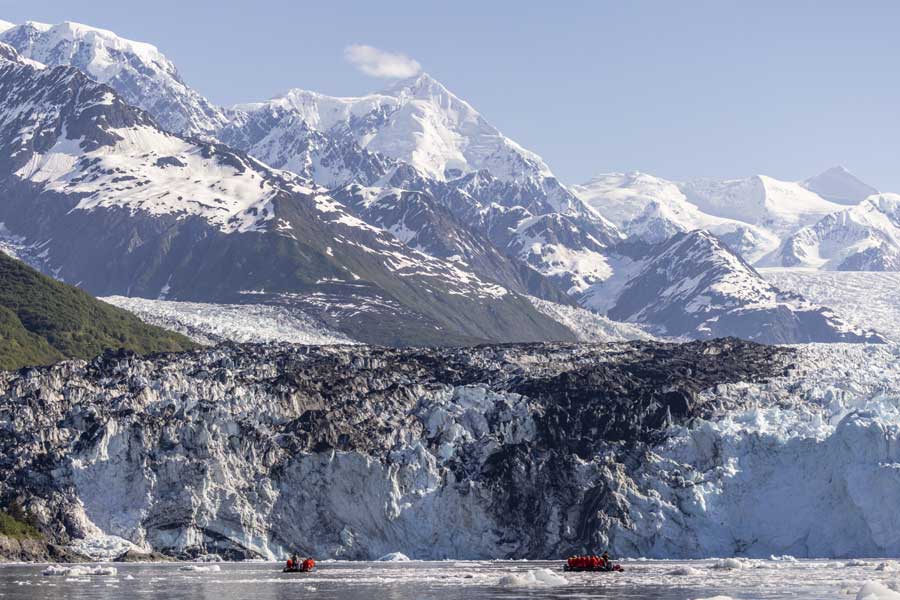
[419, 121]
[104, 47]
[137, 70]
[422, 85]
[4, 25]
[837, 184]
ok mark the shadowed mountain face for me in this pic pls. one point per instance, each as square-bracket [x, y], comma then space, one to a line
[840, 185]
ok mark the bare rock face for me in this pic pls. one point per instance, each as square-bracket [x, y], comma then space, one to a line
[256, 450]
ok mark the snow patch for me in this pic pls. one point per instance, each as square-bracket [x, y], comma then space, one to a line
[589, 326]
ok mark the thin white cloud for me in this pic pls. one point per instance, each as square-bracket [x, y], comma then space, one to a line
[381, 63]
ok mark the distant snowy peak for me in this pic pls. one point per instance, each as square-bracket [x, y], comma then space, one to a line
[782, 207]
[4, 25]
[622, 197]
[419, 121]
[653, 209]
[136, 70]
[8, 53]
[865, 237]
[837, 184]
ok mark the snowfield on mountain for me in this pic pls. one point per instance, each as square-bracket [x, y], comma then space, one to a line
[654, 209]
[138, 71]
[865, 237]
[589, 326]
[780, 206]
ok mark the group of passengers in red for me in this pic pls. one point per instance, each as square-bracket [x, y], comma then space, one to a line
[591, 563]
[295, 565]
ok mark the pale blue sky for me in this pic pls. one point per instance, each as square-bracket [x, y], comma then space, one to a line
[675, 88]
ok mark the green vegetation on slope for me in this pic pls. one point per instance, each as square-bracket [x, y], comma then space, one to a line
[43, 321]
[16, 529]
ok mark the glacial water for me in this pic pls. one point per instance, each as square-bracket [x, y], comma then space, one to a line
[448, 580]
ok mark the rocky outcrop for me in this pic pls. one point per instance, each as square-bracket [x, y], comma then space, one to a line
[14, 549]
[131, 556]
[253, 451]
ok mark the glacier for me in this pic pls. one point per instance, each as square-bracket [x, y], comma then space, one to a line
[866, 299]
[209, 323]
[715, 448]
[806, 468]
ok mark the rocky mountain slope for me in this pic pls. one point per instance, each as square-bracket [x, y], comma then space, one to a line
[119, 206]
[43, 321]
[694, 285]
[419, 142]
[251, 451]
